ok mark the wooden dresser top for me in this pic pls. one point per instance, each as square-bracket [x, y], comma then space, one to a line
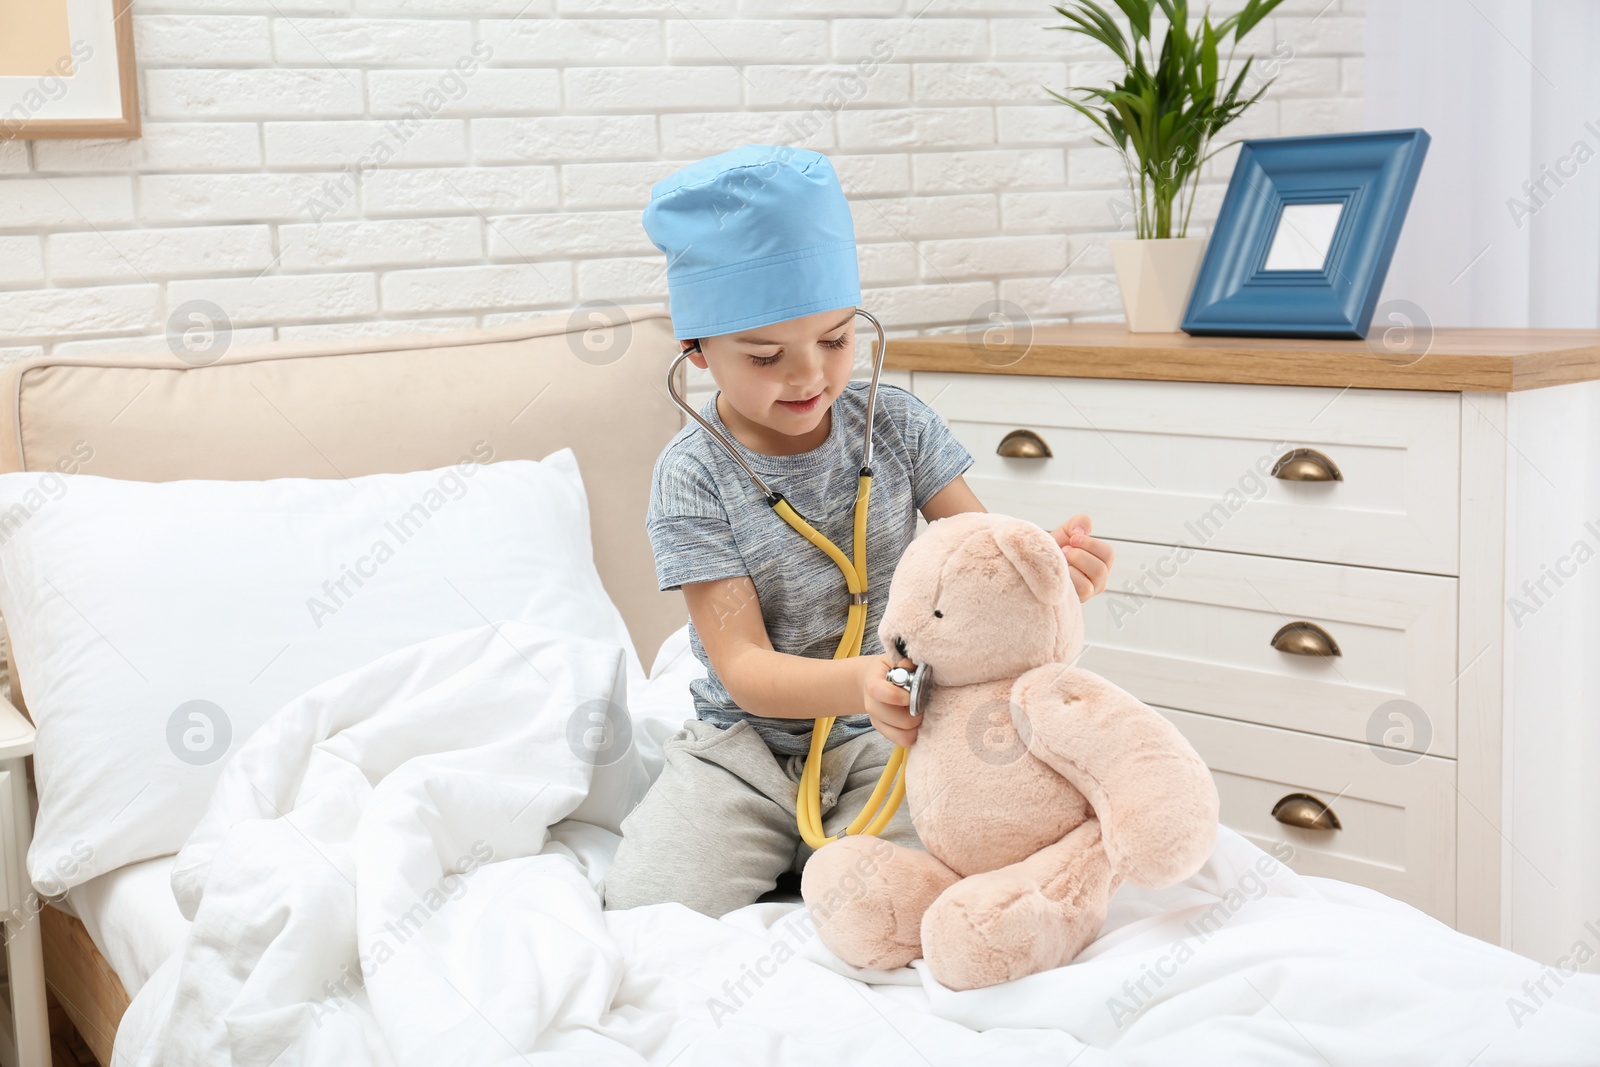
[1456, 359]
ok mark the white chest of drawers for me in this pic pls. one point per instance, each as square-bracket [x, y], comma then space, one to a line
[1348, 641]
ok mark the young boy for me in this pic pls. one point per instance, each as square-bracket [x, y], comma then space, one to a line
[762, 275]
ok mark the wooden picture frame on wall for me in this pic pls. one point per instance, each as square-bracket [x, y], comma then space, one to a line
[67, 70]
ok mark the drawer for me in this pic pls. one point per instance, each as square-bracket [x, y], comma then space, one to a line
[1195, 629]
[1396, 822]
[1191, 462]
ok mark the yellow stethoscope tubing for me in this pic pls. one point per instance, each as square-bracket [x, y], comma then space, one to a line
[877, 811]
[888, 794]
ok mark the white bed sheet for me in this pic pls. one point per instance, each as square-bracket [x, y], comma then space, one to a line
[133, 918]
[339, 922]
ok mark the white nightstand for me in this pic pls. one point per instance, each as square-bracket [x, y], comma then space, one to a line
[24, 1022]
[1340, 640]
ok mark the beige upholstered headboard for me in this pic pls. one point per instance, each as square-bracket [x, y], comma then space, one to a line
[347, 408]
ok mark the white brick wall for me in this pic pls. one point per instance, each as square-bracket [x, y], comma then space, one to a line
[328, 167]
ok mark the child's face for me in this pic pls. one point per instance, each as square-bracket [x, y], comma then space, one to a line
[783, 377]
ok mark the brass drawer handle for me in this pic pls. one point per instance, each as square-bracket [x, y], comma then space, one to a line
[1306, 465]
[1305, 811]
[1305, 639]
[1023, 444]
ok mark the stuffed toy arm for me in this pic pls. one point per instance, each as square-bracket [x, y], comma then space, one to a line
[1153, 795]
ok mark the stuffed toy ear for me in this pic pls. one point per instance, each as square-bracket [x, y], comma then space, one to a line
[1037, 557]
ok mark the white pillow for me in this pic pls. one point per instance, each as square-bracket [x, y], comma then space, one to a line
[156, 625]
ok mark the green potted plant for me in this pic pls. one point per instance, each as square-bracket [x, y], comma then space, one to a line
[1161, 116]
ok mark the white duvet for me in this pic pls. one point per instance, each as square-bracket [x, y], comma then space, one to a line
[399, 868]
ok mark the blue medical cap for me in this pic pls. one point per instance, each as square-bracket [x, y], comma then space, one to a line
[753, 236]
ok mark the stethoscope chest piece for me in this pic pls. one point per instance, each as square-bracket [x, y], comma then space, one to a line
[916, 682]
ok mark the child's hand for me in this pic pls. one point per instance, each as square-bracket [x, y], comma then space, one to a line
[1088, 558]
[887, 703]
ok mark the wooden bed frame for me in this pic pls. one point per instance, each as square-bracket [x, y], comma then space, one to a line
[80, 982]
[371, 405]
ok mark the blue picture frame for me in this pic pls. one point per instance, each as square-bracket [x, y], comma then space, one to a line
[1372, 174]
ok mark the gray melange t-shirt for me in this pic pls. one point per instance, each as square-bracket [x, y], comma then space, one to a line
[707, 520]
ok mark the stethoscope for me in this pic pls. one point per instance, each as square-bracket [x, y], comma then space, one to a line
[891, 788]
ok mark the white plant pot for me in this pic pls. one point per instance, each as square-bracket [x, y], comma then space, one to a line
[1155, 277]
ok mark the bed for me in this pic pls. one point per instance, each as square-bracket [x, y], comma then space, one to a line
[376, 878]
[387, 404]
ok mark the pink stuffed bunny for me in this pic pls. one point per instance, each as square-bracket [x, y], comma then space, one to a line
[1035, 786]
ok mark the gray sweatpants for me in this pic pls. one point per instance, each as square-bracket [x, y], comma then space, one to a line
[718, 826]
